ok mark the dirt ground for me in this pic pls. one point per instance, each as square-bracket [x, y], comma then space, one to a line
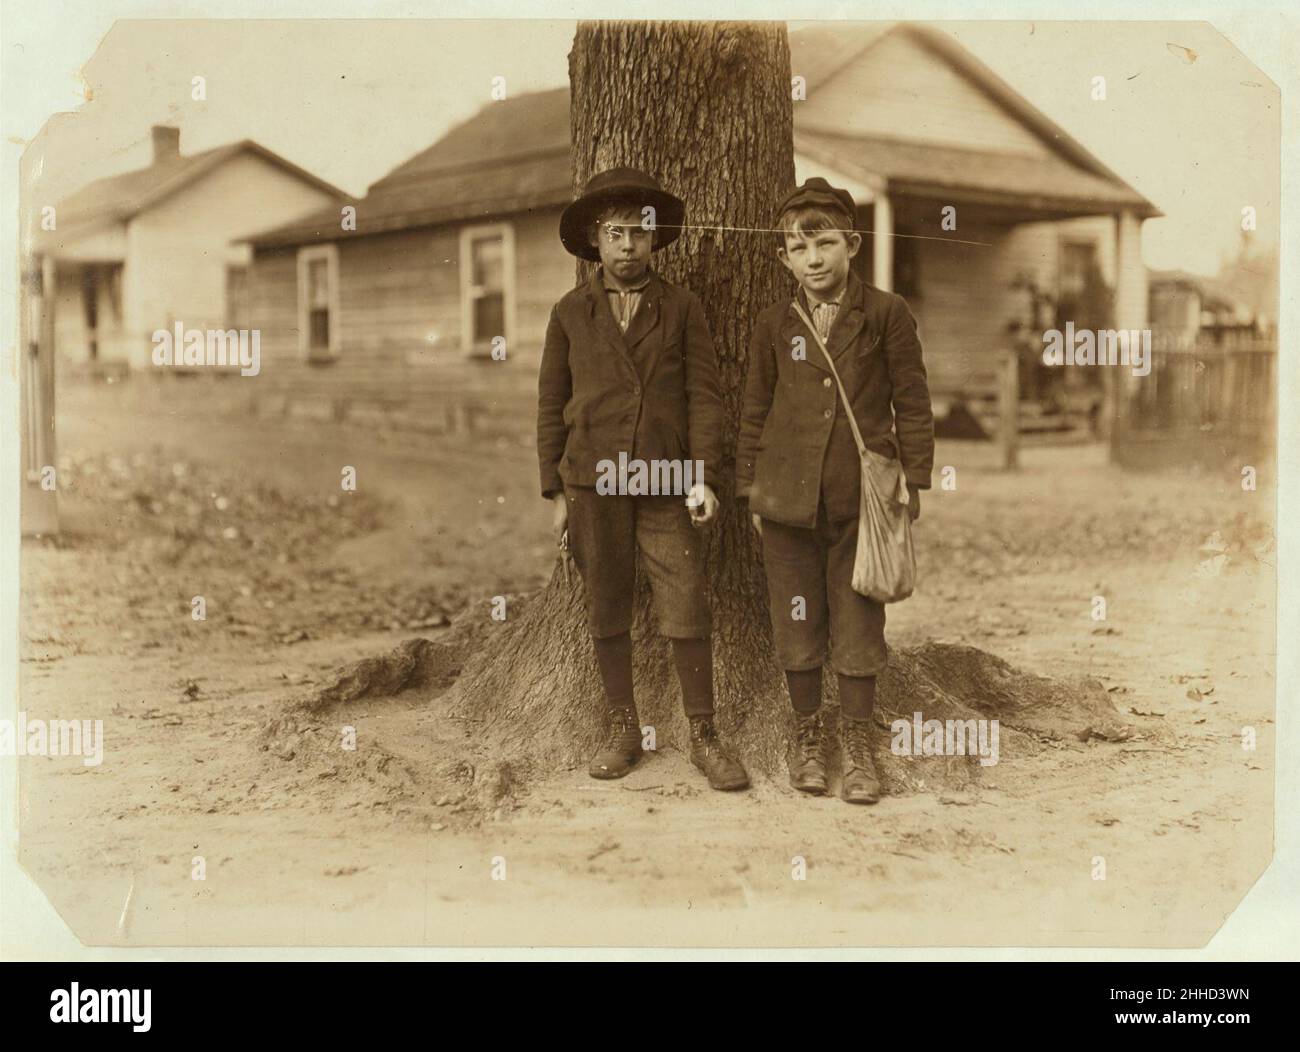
[400, 843]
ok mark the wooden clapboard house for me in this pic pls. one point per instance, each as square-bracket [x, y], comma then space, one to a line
[1038, 230]
[458, 245]
[451, 250]
[140, 251]
[127, 255]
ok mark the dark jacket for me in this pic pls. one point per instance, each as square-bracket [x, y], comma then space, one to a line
[795, 443]
[652, 393]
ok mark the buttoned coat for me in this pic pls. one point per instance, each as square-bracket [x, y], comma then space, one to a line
[795, 445]
[652, 393]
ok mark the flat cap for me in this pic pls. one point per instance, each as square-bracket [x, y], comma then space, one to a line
[817, 192]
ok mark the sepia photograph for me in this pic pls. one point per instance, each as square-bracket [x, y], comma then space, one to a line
[647, 483]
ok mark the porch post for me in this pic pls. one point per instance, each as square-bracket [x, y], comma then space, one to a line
[882, 244]
[40, 509]
[48, 362]
[1130, 313]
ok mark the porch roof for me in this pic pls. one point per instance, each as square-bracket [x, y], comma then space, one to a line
[1035, 187]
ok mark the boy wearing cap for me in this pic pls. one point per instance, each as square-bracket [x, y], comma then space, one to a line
[798, 464]
[628, 369]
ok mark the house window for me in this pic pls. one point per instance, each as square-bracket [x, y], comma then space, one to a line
[487, 286]
[1077, 259]
[318, 302]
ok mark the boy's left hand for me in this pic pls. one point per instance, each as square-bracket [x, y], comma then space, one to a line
[913, 502]
[702, 503]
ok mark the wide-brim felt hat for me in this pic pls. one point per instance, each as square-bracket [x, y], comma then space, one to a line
[613, 185]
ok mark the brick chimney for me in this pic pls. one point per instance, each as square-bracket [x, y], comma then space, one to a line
[166, 143]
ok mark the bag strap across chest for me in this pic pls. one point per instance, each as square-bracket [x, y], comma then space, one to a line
[844, 396]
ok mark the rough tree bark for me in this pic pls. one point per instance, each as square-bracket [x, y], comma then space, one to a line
[707, 109]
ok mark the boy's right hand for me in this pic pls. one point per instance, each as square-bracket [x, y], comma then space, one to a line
[559, 516]
[757, 520]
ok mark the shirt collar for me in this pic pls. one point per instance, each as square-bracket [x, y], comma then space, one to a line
[849, 298]
[837, 301]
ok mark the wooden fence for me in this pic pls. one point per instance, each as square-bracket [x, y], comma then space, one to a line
[458, 396]
[1205, 400]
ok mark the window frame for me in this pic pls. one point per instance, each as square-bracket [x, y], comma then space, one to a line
[1067, 242]
[468, 235]
[307, 255]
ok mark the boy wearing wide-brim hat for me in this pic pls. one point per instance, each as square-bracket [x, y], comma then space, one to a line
[629, 377]
[798, 464]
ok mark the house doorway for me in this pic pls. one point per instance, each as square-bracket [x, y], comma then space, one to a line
[98, 291]
[90, 310]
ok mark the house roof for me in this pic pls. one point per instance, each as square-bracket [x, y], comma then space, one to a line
[825, 51]
[520, 126]
[119, 197]
[512, 156]
[1047, 185]
[818, 53]
[1214, 295]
